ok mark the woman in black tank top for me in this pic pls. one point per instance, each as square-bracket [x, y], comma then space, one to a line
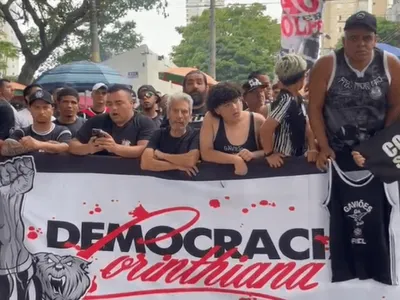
[229, 135]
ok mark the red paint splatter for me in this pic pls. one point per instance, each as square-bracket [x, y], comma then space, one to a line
[140, 212]
[167, 257]
[322, 239]
[31, 228]
[273, 204]
[97, 205]
[214, 203]
[140, 241]
[70, 245]
[32, 235]
[227, 198]
[93, 286]
[84, 203]
[264, 203]
[37, 230]
[91, 212]
[253, 205]
[244, 258]
[292, 208]
[245, 210]
[97, 209]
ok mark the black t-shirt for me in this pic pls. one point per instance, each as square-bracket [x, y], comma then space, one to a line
[57, 133]
[74, 127]
[164, 142]
[7, 119]
[139, 128]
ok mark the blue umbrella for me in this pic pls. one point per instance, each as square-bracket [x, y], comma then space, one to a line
[391, 49]
[81, 75]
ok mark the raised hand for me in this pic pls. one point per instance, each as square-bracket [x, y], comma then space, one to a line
[16, 175]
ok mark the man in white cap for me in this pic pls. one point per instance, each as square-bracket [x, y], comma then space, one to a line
[99, 96]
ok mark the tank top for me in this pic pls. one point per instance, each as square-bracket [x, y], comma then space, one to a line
[356, 102]
[221, 142]
[363, 216]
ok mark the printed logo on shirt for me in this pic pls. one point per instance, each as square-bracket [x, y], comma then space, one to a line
[362, 86]
[392, 149]
[125, 143]
[375, 93]
[232, 149]
[357, 210]
[197, 118]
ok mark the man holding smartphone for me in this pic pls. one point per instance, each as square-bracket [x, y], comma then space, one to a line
[120, 132]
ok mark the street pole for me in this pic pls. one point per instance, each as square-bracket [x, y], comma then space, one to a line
[94, 32]
[213, 47]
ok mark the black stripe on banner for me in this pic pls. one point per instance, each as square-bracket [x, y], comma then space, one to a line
[65, 163]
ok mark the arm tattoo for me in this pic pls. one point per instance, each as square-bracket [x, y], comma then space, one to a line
[12, 148]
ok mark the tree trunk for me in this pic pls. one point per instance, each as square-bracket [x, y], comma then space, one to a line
[28, 70]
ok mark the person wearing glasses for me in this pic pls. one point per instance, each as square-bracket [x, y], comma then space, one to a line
[149, 99]
[230, 135]
[99, 96]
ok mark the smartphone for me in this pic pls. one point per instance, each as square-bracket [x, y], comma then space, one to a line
[98, 133]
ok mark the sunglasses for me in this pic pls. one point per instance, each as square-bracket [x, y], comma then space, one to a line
[147, 95]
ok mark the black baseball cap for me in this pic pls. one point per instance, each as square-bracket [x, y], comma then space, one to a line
[147, 88]
[41, 95]
[252, 84]
[361, 19]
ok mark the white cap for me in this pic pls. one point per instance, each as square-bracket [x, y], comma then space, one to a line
[99, 86]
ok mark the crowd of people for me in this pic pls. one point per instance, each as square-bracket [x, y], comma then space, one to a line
[317, 114]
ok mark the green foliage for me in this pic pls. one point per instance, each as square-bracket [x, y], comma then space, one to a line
[388, 32]
[7, 51]
[247, 40]
[58, 30]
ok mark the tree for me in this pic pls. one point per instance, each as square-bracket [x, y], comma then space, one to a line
[58, 24]
[247, 40]
[7, 51]
[388, 32]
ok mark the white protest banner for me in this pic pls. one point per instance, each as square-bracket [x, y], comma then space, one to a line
[301, 27]
[70, 229]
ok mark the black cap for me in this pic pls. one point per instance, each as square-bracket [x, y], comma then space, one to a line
[148, 88]
[41, 95]
[361, 19]
[252, 84]
[28, 88]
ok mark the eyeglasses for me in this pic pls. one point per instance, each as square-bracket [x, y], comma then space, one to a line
[147, 95]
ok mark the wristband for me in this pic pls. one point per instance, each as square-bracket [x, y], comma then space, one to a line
[268, 154]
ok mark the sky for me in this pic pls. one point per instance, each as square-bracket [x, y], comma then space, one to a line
[159, 33]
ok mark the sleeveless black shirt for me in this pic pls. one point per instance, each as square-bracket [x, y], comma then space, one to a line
[356, 102]
[221, 142]
[361, 236]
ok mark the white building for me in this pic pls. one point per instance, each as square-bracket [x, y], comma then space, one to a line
[195, 8]
[13, 67]
[142, 66]
[394, 11]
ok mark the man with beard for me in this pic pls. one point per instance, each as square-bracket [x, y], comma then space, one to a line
[68, 107]
[99, 96]
[195, 85]
[43, 135]
[149, 99]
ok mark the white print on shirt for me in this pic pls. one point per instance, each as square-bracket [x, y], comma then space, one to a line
[357, 210]
[363, 86]
[392, 150]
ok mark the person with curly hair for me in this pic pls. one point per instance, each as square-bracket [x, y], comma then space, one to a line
[230, 135]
